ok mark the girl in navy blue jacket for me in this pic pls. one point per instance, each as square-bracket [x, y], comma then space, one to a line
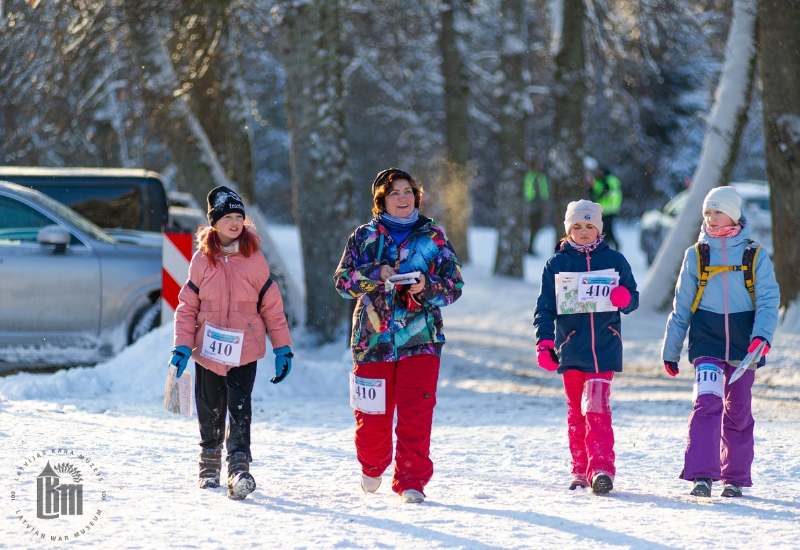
[585, 348]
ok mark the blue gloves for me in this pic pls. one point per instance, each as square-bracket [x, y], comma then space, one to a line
[283, 363]
[180, 358]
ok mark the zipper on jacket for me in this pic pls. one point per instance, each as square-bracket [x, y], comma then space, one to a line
[725, 300]
[615, 332]
[591, 320]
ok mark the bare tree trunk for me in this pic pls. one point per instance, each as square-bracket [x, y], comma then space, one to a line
[456, 95]
[514, 107]
[779, 42]
[566, 154]
[720, 147]
[212, 79]
[198, 166]
[321, 182]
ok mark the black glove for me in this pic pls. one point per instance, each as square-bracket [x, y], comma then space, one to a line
[671, 367]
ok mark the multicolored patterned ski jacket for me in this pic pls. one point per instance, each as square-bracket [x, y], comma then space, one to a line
[385, 328]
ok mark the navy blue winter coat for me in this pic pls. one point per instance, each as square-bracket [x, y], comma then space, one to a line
[589, 342]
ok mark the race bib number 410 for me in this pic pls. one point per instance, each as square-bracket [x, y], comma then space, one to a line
[708, 378]
[597, 289]
[368, 395]
[222, 345]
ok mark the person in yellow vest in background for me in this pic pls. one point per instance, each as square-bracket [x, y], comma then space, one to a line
[606, 190]
[537, 199]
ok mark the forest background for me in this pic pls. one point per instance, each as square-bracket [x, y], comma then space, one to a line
[299, 103]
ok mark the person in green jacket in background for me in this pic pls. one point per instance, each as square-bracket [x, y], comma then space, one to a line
[606, 190]
[537, 199]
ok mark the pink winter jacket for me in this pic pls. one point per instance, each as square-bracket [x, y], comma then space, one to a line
[227, 298]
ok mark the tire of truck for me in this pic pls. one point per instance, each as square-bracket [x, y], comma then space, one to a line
[145, 320]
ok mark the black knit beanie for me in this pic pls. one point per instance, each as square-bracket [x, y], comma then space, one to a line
[221, 201]
[389, 175]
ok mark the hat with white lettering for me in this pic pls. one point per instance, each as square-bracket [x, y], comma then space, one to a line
[221, 201]
[584, 211]
[726, 200]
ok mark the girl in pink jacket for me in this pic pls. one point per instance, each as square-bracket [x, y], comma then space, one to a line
[225, 310]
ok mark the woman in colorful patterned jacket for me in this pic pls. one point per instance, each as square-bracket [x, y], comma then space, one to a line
[397, 331]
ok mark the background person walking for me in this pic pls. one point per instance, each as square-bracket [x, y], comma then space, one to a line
[606, 190]
[397, 331]
[537, 198]
[229, 298]
[725, 323]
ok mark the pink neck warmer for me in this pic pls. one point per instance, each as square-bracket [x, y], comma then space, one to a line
[586, 248]
[724, 232]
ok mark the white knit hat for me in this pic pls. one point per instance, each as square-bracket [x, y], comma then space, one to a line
[583, 211]
[726, 200]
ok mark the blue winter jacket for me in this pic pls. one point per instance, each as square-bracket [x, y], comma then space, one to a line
[589, 342]
[725, 322]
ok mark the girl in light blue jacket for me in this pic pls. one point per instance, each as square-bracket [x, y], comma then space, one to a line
[726, 320]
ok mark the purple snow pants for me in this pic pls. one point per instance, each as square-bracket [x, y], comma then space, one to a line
[720, 443]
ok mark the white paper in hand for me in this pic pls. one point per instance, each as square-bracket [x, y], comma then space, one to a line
[750, 360]
[178, 392]
[411, 278]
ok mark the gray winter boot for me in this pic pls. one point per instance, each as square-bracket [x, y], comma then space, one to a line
[240, 482]
[210, 465]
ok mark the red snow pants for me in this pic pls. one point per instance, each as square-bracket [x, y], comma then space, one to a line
[591, 437]
[411, 387]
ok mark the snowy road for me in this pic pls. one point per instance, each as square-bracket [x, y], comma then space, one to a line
[499, 447]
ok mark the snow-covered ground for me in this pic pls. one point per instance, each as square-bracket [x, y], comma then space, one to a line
[499, 446]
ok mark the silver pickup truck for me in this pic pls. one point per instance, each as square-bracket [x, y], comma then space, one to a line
[70, 293]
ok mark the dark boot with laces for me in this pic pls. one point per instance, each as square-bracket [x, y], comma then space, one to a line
[210, 466]
[702, 487]
[731, 490]
[240, 482]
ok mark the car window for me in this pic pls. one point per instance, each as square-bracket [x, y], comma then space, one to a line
[19, 223]
[107, 206]
[70, 216]
[674, 207]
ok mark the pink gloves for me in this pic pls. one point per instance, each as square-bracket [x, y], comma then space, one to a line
[546, 355]
[754, 344]
[620, 297]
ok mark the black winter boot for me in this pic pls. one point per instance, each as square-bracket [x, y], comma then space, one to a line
[210, 465]
[702, 487]
[731, 490]
[240, 482]
[601, 484]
